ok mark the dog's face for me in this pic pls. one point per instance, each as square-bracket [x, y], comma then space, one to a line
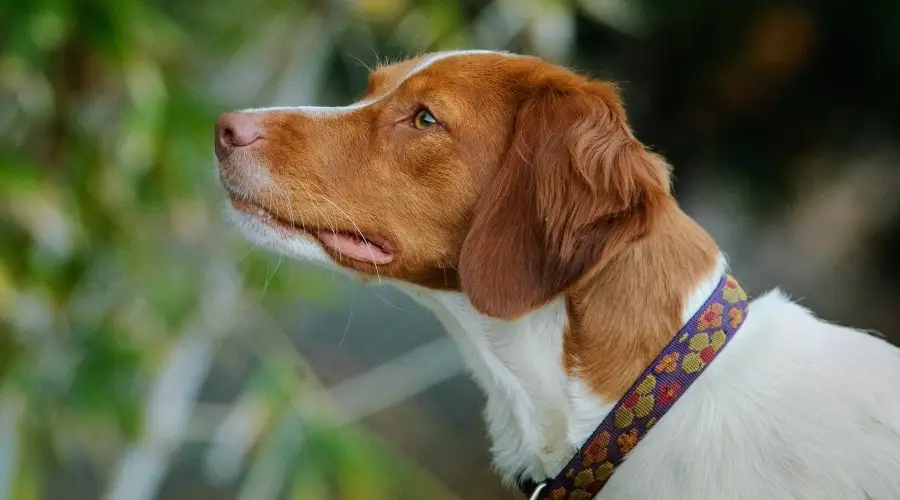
[477, 171]
[401, 169]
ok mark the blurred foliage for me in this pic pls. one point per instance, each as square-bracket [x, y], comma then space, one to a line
[110, 234]
[111, 240]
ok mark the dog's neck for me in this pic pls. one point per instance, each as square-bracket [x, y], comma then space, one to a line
[552, 375]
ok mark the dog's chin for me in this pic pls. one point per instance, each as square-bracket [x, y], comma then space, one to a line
[303, 247]
[333, 250]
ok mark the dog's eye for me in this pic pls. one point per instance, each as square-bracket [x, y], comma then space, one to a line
[424, 119]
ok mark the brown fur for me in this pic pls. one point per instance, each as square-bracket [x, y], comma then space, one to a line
[583, 189]
[532, 187]
[624, 315]
[592, 209]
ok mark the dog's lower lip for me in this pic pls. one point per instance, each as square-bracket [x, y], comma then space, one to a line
[243, 204]
[376, 251]
[246, 205]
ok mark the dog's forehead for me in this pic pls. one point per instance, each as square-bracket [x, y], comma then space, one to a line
[453, 61]
[395, 72]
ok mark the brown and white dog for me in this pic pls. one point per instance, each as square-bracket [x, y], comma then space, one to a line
[509, 196]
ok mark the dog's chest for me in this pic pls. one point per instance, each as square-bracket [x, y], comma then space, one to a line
[736, 434]
[535, 414]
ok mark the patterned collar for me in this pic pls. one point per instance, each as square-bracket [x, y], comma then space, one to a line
[652, 395]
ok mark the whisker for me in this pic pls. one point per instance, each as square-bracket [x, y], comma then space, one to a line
[290, 206]
[361, 235]
[358, 231]
[386, 301]
[271, 275]
[360, 61]
[252, 248]
[330, 223]
[374, 53]
[322, 217]
[349, 317]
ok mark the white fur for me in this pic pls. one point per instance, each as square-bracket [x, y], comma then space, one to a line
[337, 111]
[304, 247]
[695, 300]
[537, 416]
[518, 364]
[794, 408]
[587, 409]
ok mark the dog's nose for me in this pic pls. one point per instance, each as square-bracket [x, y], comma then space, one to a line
[235, 130]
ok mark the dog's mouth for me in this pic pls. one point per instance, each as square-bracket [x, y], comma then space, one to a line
[351, 244]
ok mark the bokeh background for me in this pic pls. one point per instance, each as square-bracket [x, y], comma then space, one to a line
[148, 352]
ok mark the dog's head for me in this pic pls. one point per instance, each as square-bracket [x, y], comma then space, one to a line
[502, 176]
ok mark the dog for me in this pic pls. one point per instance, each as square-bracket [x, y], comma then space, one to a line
[510, 196]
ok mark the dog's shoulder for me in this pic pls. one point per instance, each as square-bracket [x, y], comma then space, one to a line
[795, 408]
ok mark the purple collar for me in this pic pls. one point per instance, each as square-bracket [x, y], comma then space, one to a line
[652, 395]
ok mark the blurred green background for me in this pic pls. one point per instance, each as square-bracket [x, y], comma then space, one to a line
[148, 352]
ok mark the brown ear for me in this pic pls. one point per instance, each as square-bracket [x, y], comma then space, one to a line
[574, 189]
